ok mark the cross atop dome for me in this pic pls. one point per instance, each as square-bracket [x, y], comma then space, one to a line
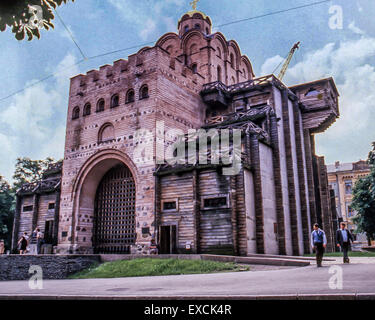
[194, 4]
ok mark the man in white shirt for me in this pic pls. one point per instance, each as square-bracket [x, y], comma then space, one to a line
[318, 241]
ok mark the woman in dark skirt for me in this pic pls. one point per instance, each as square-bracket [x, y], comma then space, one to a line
[23, 243]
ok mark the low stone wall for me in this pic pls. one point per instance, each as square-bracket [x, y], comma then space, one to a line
[16, 267]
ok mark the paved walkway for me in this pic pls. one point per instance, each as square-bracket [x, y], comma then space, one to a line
[358, 277]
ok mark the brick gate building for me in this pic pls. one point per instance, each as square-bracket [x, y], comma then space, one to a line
[116, 192]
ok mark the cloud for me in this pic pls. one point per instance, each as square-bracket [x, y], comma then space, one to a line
[147, 16]
[355, 29]
[33, 123]
[350, 137]
[271, 64]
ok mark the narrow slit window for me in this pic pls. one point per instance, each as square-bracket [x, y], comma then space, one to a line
[169, 205]
[217, 202]
[27, 208]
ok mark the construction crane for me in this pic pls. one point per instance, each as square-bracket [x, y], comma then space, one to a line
[288, 59]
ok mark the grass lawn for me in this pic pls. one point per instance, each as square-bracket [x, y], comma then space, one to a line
[155, 267]
[351, 254]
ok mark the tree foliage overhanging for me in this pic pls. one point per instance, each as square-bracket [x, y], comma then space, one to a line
[27, 17]
[29, 171]
[364, 200]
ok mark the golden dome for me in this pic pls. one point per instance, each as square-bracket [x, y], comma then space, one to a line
[195, 14]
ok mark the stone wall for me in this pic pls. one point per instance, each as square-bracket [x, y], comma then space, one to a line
[16, 267]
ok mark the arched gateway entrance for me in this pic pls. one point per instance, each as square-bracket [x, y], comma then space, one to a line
[114, 212]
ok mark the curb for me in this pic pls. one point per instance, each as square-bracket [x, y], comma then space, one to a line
[312, 297]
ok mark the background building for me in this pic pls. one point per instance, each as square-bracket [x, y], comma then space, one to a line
[342, 178]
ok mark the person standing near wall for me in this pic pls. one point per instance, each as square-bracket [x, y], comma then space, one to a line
[2, 246]
[343, 238]
[39, 239]
[318, 241]
[33, 242]
[22, 242]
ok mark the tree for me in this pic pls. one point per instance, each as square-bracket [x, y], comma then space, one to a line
[28, 16]
[364, 200]
[7, 205]
[29, 171]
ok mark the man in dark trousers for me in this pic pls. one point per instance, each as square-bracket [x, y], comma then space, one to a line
[318, 241]
[343, 238]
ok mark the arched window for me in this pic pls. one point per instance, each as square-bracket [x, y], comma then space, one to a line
[197, 26]
[218, 52]
[87, 109]
[170, 49]
[143, 92]
[186, 29]
[129, 96]
[75, 114]
[193, 49]
[194, 68]
[219, 73]
[114, 101]
[207, 31]
[106, 132]
[232, 60]
[100, 105]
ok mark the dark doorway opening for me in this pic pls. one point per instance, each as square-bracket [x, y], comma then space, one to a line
[48, 232]
[168, 239]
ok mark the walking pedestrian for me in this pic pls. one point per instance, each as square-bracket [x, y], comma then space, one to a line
[343, 238]
[318, 241]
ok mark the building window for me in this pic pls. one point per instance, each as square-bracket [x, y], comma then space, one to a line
[169, 205]
[51, 206]
[186, 29]
[350, 211]
[215, 202]
[194, 68]
[232, 60]
[219, 73]
[130, 96]
[75, 114]
[348, 187]
[207, 31]
[146, 231]
[218, 52]
[197, 26]
[87, 109]
[100, 105]
[143, 92]
[114, 101]
[27, 208]
[106, 133]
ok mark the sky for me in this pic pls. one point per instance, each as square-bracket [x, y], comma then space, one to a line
[337, 39]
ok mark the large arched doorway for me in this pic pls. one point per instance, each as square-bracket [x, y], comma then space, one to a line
[114, 217]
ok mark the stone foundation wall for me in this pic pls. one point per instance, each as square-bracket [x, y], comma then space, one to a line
[16, 267]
